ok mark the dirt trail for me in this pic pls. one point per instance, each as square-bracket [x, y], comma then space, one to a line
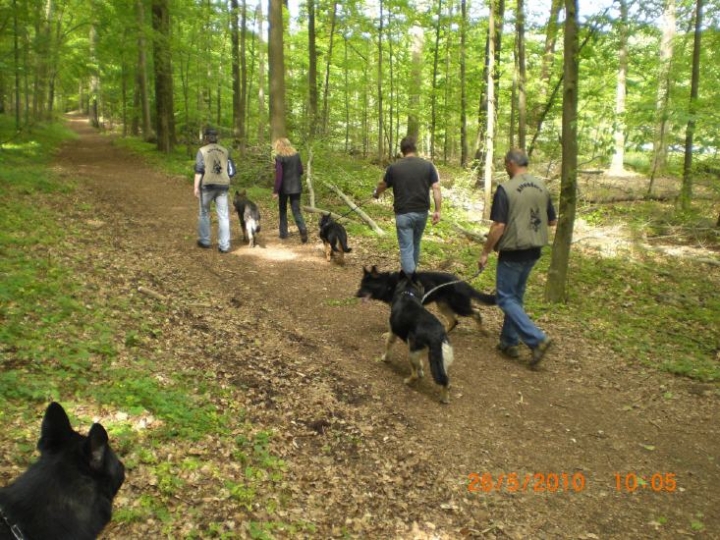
[364, 451]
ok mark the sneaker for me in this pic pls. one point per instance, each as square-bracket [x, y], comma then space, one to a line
[221, 250]
[201, 245]
[538, 353]
[511, 351]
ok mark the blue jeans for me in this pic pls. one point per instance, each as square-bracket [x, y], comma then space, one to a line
[220, 196]
[410, 228]
[511, 279]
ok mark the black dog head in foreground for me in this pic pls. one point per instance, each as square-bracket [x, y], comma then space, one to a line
[453, 296]
[68, 493]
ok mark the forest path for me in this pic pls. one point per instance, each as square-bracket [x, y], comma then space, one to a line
[368, 456]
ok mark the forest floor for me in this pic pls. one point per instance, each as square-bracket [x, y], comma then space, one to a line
[365, 455]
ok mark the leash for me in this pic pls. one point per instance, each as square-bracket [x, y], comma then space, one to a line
[476, 274]
[363, 203]
[14, 529]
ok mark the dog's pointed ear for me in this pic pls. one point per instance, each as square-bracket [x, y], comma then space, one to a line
[96, 446]
[55, 429]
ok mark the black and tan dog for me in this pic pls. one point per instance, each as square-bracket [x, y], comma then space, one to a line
[453, 296]
[67, 494]
[334, 238]
[421, 330]
[249, 217]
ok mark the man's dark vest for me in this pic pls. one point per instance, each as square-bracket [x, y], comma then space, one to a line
[527, 224]
[215, 158]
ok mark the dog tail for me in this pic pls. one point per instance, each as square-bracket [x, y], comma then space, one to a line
[441, 356]
[483, 298]
[344, 244]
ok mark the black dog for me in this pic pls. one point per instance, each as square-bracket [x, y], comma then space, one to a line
[453, 296]
[421, 330]
[334, 238]
[249, 216]
[68, 493]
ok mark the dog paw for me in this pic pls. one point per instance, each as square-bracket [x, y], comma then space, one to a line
[409, 380]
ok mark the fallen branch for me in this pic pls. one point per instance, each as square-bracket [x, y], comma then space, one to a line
[474, 236]
[316, 210]
[367, 219]
[149, 292]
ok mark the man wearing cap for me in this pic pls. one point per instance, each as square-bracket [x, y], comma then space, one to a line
[213, 169]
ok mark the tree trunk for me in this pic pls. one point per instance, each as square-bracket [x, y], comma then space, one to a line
[617, 166]
[94, 79]
[276, 64]
[463, 90]
[326, 87]
[433, 93]
[557, 274]
[142, 77]
[238, 56]
[490, 116]
[380, 147]
[686, 190]
[262, 111]
[659, 165]
[164, 108]
[417, 40]
[521, 74]
[312, 113]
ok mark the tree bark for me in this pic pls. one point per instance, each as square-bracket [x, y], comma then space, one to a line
[521, 74]
[276, 63]
[659, 165]
[312, 113]
[687, 184]
[617, 165]
[142, 75]
[262, 111]
[380, 146]
[417, 40]
[326, 87]
[163, 76]
[490, 116]
[433, 93]
[463, 89]
[557, 274]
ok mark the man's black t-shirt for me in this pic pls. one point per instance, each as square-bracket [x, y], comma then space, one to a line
[411, 179]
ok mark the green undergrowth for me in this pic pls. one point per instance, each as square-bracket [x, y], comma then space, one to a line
[62, 340]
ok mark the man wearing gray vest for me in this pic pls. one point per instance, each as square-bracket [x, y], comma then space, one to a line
[213, 169]
[521, 212]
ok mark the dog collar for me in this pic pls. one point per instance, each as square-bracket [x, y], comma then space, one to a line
[14, 529]
[410, 293]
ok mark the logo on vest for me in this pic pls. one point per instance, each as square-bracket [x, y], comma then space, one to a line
[217, 166]
[535, 220]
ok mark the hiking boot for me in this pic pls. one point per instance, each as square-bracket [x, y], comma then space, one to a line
[303, 236]
[201, 245]
[511, 351]
[223, 251]
[538, 353]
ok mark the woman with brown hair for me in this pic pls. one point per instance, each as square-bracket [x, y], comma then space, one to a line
[288, 170]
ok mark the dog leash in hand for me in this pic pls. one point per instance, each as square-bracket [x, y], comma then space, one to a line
[476, 274]
[353, 209]
[14, 529]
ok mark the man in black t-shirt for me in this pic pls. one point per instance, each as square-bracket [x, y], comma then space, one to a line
[411, 179]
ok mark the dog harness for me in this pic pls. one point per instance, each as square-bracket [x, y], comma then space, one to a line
[14, 529]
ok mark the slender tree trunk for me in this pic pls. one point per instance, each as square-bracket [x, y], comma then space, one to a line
[617, 165]
[262, 82]
[433, 94]
[557, 274]
[417, 43]
[490, 126]
[380, 146]
[142, 77]
[463, 89]
[16, 56]
[237, 98]
[659, 165]
[276, 66]
[687, 184]
[94, 79]
[326, 87]
[163, 76]
[347, 93]
[521, 75]
[312, 72]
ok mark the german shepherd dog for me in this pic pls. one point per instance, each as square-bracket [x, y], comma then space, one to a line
[421, 330]
[334, 238]
[452, 299]
[249, 216]
[67, 494]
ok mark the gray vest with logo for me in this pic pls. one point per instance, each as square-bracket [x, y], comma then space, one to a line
[527, 225]
[215, 158]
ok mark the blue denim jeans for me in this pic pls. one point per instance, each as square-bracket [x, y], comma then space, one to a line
[410, 228]
[511, 279]
[220, 196]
